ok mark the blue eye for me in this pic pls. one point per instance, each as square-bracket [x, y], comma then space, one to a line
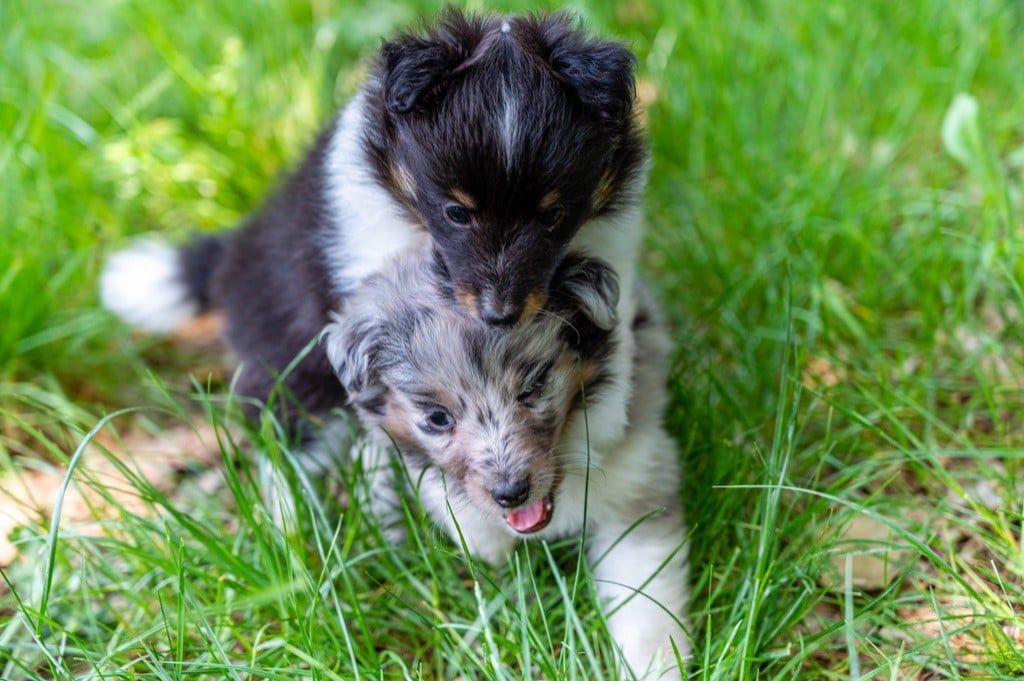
[530, 392]
[535, 384]
[438, 421]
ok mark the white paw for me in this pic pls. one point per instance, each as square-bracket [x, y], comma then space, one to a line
[646, 645]
[277, 496]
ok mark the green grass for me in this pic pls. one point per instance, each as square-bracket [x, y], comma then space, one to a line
[847, 297]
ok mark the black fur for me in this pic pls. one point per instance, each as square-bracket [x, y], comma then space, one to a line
[197, 260]
[573, 101]
[274, 289]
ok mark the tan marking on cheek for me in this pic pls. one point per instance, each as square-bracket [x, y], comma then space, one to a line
[400, 421]
[544, 466]
[398, 426]
[404, 180]
[457, 465]
[575, 373]
[550, 199]
[406, 187]
[533, 303]
[463, 198]
[585, 374]
[477, 490]
[467, 298]
[603, 192]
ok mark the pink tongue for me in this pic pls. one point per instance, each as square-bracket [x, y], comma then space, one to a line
[525, 519]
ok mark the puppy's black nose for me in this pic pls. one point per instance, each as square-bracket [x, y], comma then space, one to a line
[500, 315]
[511, 493]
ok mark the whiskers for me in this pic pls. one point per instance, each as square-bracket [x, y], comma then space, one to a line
[460, 502]
[551, 314]
[579, 463]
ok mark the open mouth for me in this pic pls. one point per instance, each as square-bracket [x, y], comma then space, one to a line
[532, 518]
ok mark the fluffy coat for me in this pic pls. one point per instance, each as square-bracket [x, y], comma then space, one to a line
[493, 430]
[508, 147]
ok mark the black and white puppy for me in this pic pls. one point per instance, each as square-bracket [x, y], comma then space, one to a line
[507, 142]
[492, 428]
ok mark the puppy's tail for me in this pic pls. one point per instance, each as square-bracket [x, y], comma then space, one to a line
[157, 287]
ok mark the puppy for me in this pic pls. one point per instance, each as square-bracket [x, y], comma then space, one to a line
[492, 427]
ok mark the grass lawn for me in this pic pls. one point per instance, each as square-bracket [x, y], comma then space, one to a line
[834, 232]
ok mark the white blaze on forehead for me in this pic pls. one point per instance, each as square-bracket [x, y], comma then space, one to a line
[509, 119]
[509, 123]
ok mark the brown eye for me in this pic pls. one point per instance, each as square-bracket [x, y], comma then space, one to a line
[552, 217]
[458, 214]
[534, 385]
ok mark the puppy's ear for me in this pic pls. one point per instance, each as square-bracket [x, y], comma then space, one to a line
[413, 65]
[591, 287]
[600, 72]
[352, 341]
[585, 294]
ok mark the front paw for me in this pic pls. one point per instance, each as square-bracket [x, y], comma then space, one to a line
[647, 647]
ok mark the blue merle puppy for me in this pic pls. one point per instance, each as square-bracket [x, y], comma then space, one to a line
[492, 426]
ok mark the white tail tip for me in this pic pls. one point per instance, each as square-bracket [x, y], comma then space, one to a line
[143, 286]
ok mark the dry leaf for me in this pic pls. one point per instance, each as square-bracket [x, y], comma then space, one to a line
[28, 495]
[820, 372]
[874, 562]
